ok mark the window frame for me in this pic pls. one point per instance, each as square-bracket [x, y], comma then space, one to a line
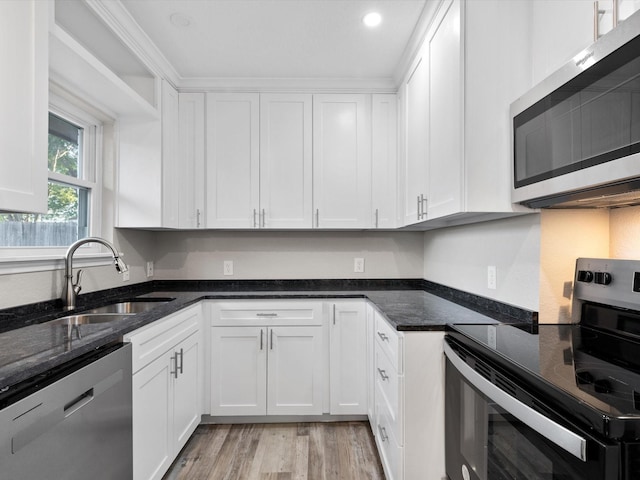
[33, 258]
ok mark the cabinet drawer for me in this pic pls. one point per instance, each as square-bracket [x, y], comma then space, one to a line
[390, 450]
[390, 340]
[388, 390]
[263, 313]
[153, 340]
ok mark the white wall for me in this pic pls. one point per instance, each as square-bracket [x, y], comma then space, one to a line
[566, 235]
[288, 255]
[458, 257]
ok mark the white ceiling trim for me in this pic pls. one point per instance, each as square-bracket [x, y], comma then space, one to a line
[289, 85]
[118, 18]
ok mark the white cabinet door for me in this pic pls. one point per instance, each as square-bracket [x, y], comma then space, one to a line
[187, 389]
[294, 375]
[445, 175]
[171, 161]
[152, 411]
[384, 155]
[342, 161]
[232, 160]
[559, 30]
[24, 87]
[416, 137]
[191, 177]
[285, 161]
[238, 371]
[348, 359]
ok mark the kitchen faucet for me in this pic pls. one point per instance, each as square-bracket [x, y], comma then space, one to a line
[71, 289]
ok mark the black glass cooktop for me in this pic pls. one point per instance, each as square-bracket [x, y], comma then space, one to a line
[588, 373]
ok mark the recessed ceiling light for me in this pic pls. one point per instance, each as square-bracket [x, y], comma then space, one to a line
[372, 19]
[180, 20]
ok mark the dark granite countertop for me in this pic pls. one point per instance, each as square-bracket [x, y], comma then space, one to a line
[30, 346]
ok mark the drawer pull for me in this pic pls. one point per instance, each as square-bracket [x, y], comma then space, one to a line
[267, 315]
[383, 337]
[383, 374]
[383, 433]
[181, 361]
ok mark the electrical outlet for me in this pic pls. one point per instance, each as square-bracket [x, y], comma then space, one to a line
[492, 277]
[228, 267]
[149, 269]
[358, 265]
[125, 276]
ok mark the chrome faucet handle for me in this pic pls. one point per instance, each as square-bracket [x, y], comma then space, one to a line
[76, 285]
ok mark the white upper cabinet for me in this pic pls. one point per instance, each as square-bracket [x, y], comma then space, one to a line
[171, 165]
[342, 161]
[285, 161]
[414, 95]
[384, 160]
[191, 161]
[24, 91]
[559, 31]
[232, 160]
[444, 175]
[455, 100]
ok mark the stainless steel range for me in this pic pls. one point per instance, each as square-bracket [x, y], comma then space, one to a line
[551, 401]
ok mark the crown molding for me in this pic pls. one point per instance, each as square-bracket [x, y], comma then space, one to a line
[118, 19]
[289, 85]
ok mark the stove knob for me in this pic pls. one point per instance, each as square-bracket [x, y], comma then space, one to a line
[603, 278]
[585, 276]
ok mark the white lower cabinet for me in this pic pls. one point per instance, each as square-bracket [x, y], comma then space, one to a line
[167, 390]
[409, 402]
[348, 358]
[267, 358]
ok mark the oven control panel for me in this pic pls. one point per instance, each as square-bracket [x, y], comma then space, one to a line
[608, 281]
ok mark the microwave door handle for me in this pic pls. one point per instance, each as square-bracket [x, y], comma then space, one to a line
[561, 436]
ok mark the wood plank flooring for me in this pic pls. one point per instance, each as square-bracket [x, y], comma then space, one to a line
[302, 451]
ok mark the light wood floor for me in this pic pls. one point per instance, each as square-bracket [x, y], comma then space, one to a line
[302, 451]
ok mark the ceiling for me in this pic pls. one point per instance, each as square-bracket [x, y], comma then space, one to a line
[276, 39]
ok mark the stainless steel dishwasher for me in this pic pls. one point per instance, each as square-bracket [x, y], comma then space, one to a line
[71, 423]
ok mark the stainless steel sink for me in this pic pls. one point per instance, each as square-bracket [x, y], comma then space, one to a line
[127, 308]
[86, 319]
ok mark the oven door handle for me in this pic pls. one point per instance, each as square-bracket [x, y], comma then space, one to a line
[561, 436]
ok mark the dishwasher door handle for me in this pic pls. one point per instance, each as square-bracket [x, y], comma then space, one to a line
[77, 403]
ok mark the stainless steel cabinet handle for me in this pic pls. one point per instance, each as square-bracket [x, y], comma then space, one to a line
[174, 359]
[561, 436]
[383, 433]
[255, 223]
[383, 374]
[181, 360]
[264, 218]
[425, 204]
[376, 218]
[272, 339]
[419, 208]
[267, 315]
[383, 337]
[197, 217]
[261, 336]
[334, 313]
[317, 218]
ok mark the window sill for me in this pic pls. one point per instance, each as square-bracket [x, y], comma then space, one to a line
[44, 263]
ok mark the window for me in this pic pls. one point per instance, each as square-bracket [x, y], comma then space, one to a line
[73, 199]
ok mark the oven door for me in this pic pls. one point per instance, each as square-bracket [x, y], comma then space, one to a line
[492, 436]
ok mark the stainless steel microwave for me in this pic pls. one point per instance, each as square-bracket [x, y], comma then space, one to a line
[576, 135]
